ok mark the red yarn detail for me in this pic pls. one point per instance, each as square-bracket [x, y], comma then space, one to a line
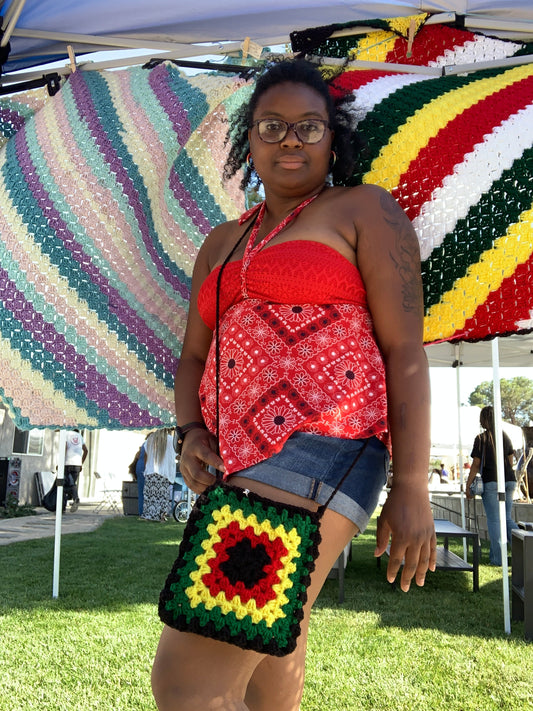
[216, 581]
[513, 311]
[351, 80]
[472, 125]
[431, 42]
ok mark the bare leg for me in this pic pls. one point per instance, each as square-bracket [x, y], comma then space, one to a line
[193, 673]
[278, 682]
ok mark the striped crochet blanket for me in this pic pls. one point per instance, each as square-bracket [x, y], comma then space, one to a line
[457, 153]
[106, 194]
[108, 190]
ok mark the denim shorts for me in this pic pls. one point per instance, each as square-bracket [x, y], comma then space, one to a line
[312, 465]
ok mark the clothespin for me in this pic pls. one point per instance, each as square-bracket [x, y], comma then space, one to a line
[411, 37]
[251, 48]
[72, 58]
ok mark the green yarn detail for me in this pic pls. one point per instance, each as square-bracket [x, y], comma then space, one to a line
[278, 636]
[195, 185]
[41, 359]
[110, 123]
[489, 219]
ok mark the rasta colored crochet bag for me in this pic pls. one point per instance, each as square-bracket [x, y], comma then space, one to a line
[243, 569]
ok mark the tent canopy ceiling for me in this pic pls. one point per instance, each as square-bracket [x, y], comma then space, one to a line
[515, 351]
[39, 30]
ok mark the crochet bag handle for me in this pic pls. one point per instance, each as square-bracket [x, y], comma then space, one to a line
[217, 322]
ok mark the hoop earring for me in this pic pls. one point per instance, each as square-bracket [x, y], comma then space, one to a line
[333, 159]
[249, 161]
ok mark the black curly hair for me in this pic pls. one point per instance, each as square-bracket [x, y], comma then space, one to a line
[347, 142]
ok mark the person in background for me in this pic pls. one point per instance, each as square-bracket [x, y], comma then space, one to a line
[322, 279]
[484, 462]
[75, 454]
[159, 475]
[434, 476]
[140, 465]
[136, 469]
[444, 474]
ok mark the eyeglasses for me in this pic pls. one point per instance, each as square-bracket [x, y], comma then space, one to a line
[307, 130]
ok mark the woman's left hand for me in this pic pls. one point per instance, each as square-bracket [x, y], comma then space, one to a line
[407, 521]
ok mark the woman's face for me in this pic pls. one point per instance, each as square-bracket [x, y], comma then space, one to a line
[291, 165]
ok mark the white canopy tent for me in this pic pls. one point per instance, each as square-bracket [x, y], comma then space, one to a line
[512, 351]
[516, 351]
[37, 32]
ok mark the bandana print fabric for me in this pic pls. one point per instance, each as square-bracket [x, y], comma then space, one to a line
[308, 367]
[242, 571]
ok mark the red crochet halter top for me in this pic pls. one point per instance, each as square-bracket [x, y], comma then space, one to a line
[297, 352]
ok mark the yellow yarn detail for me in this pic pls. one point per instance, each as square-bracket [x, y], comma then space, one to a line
[215, 91]
[405, 145]
[401, 24]
[66, 302]
[374, 47]
[460, 303]
[19, 241]
[154, 166]
[110, 224]
[33, 393]
[209, 169]
[272, 610]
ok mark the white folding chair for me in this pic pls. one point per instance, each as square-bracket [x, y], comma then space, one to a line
[111, 497]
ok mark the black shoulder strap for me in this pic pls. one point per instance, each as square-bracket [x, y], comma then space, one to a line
[217, 321]
[340, 483]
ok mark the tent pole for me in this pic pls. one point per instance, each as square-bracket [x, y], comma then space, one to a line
[59, 510]
[457, 363]
[12, 16]
[498, 432]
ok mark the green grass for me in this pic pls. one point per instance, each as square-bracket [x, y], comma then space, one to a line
[441, 647]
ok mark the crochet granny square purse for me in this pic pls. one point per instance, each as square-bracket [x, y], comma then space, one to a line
[243, 569]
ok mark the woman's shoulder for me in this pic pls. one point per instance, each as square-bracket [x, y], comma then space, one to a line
[216, 244]
[364, 191]
[220, 234]
[367, 201]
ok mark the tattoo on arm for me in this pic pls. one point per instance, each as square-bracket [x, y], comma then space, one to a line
[405, 256]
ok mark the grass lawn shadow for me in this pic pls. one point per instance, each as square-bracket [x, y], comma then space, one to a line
[124, 562]
[446, 602]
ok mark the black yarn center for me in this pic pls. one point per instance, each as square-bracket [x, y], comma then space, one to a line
[245, 563]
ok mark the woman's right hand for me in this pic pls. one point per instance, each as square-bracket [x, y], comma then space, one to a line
[199, 452]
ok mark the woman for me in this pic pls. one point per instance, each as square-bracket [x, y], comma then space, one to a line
[159, 475]
[484, 461]
[341, 263]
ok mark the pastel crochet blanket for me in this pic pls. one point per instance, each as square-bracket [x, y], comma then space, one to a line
[108, 189]
[106, 194]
